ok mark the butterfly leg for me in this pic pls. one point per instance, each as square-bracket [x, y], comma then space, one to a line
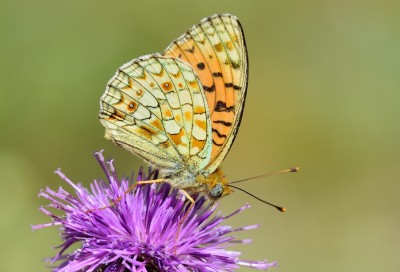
[127, 191]
[192, 202]
[139, 183]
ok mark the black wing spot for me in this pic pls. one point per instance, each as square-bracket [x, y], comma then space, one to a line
[201, 66]
[227, 124]
[209, 89]
[190, 50]
[235, 65]
[214, 142]
[217, 74]
[231, 85]
[218, 133]
[221, 106]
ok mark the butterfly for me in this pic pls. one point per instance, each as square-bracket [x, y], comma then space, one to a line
[180, 110]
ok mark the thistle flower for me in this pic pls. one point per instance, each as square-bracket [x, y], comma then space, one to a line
[139, 232]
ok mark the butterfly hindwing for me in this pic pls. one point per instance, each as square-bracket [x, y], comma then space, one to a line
[155, 107]
[216, 51]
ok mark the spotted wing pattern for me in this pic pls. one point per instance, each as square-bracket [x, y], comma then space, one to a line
[216, 50]
[155, 107]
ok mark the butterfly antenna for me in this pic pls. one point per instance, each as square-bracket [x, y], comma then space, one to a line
[281, 209]
[289, 170]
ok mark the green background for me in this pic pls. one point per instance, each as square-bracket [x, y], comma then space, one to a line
[323, 95]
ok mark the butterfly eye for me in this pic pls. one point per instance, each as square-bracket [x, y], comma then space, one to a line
[216, 191]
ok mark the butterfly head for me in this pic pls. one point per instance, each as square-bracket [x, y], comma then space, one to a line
[216, 185]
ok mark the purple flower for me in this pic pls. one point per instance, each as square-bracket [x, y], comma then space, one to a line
[139, 232]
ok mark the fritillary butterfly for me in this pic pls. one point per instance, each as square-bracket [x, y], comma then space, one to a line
[180, 110]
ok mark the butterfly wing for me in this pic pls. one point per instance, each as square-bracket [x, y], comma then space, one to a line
[155, 107]
[216, 50]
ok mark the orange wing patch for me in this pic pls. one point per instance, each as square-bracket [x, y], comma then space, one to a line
[215, 49]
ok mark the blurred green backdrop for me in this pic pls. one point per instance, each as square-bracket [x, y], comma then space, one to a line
[324, 80]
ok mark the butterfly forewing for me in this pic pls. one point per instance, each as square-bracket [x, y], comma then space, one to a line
[180, 110]
[216, 50]
[155, 107]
